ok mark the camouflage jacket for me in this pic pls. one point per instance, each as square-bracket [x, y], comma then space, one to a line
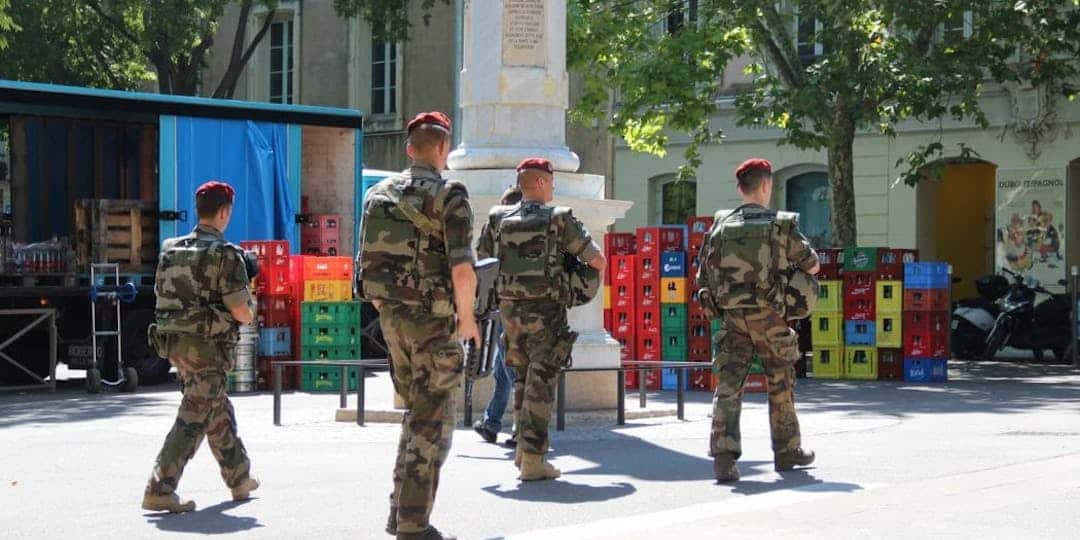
[532, 241]
[416, 227]
[748, 257]
[200, 278]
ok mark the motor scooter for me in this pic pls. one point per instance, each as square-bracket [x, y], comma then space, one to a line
[1023, 324]
[973, 318]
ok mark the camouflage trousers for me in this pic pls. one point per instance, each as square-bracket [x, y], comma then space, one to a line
[426, 364]
[538, 343]
[205, 412]
[745, 332]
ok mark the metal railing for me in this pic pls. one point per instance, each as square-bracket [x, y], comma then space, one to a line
[42, 315]
[364, 365]
[1074, 288]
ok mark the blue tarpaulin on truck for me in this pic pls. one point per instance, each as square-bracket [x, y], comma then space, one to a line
[251, 156]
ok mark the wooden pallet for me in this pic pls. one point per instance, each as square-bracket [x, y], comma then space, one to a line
[117, 231]
[37, 280]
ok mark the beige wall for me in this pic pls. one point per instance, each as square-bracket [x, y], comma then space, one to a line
[328, 177]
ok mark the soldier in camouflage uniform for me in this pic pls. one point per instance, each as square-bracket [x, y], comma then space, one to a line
[202, 295]
[743, 262]
[416, 266]
[532, 240]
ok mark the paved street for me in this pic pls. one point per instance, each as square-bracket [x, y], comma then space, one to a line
[995, 453]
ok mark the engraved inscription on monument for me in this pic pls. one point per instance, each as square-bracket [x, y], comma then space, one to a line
[524, 34]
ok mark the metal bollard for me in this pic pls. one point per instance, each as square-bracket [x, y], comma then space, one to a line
[680, 393]
[560, 403]
[360, 397]
[1075, 271]
[277, 394]
[620, 393]
[343, 397]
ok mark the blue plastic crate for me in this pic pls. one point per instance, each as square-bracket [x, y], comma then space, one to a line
[926, 275]
[673, 264]
[669, 379]
[860, 333]
[926, 370]
[275, 341]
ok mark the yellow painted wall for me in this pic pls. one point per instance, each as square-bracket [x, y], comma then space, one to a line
[964, 223]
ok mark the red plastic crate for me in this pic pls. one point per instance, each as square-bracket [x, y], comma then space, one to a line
[273, 281]
[701, 379]
[756, 383]
[890, 364]
[607, 320]
[860, 285]
[926, 334]
[652, 379]
[623, 296]
[648, 319]
[860, 309]
[623, 322]
[321, 231]
[622, 269]
[699, 349]
[320, 250]
[699, 224]
[275, 311]
[619, 244]
[832, 263]
[626, 348]
[890, 262]
[926, 300]
[671, 239]
[648, 241]
[290, 375]
[648, 268]
[648, 296]
[328, 268]
[648, 345]
[322, 222]
[270, 253]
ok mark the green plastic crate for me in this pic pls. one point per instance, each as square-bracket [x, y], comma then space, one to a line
[860, 259]
[330, 336]
[675, 354]
[715, 326]
[756, 367]
[326, 379]
[351, 352]
[673, 317]
[330, 313]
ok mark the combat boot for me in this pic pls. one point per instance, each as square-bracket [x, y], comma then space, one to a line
[535, 467]
[430, 534]
[725, 470]
[786, 461]
[170, 503]
[243, 491]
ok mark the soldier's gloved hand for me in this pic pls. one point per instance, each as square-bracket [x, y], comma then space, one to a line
[251, 262]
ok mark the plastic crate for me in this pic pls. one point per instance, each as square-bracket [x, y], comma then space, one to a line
[891, 262]
[626, 348]
[673, 317]
[327, 291]
[699, 224]
[619, 244]
[647, 241]
[623, 322]
[860, 333]
[648, 319]
[926, 275]
[330, 313]
[327, 379]
[673, 291]
[647, 268]
[926, 370]
[826, 330]
[673, 344]
[275, 342]
[890, 297]
[669, 379]
[860, 259]
[622, 296]
[274, 311]
[832, 263]
[860, 363]
[859, 309]
[830, 296]
[673, 238]
[328, 269]
[608, 316]
[699, 349]
[701, 379]
[349, 352]
[273, 281]
[330, 336]
[673, 264]
[859, 285]
[828, 362]
[290, 375]
[652, 379]
[623, 270]
[926, 300]
[890, 364]
[270, 253]
[648, 345]
[926, 334]
[889, 331]
[756, 384]
[756, 366]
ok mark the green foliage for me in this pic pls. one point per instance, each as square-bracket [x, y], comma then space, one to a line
[7, 24]
[389, 18]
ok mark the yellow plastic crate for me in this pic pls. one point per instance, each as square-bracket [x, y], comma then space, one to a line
[607, 297]
[830, 297]
[860, 363]
[890, 330]
[327, 291]
[828, 363]
[673, 291]
[890, 296]
[827, 330]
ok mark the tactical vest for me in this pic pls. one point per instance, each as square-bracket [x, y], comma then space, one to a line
[745, 263]
[403, 256]
[188, 299]
[531, 265]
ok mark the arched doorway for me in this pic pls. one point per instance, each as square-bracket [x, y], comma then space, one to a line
[810, 196]
[955, 222]
[674, 200]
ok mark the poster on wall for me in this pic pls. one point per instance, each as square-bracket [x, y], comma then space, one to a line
[1030, 224]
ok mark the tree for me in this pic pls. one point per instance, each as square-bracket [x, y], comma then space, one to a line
[824, 70]
[7, 24]
[389, 18]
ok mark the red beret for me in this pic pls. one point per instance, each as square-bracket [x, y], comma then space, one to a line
[752, 164]
[214, 185]
[535, 163]
[434, 117]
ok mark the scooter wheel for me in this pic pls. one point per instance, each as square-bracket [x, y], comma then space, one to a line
[131, 380]
[93, 381]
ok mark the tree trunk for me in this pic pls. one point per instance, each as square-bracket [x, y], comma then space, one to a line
[842, 181]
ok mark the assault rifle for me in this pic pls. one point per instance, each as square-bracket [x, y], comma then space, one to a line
[480, 357]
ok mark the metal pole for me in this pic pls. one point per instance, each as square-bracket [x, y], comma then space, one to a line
[1075, 271]
[680, 393]
[52, 351]
[360, 397]
[277, 393]
[343, 396]
[620, 393]
[468, 401]
[560, 403]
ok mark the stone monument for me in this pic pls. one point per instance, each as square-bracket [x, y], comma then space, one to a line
[514, 96]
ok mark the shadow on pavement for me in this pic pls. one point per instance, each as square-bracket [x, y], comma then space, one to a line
[211, 520]
[801, 480]
[625, 455]
[562, 491]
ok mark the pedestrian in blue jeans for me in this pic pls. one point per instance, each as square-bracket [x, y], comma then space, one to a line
[491, 425]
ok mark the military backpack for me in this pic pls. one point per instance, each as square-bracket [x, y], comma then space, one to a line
[188, 301]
